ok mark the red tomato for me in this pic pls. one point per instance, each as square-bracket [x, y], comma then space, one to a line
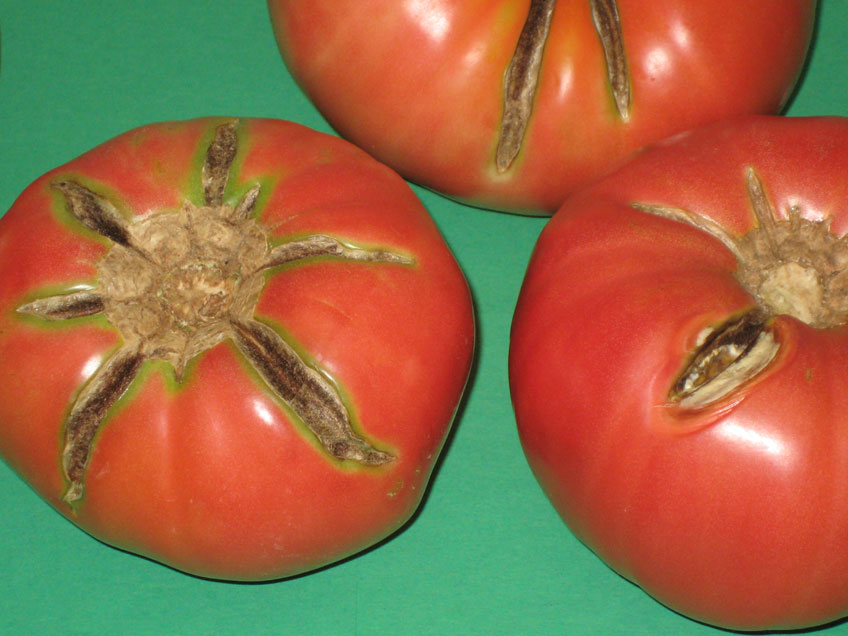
[677, 367]
[421, 84]
[216, 335]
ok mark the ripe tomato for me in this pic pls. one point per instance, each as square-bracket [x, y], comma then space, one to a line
[216, 335]
[677, 365]
[512, 104]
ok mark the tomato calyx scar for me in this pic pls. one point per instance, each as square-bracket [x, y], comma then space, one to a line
[791, 266]
[176, 283]
[521, 79]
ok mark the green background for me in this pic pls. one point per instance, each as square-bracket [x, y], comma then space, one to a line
[487, 554]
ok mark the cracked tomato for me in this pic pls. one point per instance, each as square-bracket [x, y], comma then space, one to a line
[677, 368]
[512, 104]
[215, 337]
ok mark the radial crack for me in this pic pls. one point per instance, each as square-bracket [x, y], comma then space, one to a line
[695, 220]
[521, 82]
[310, 395]
[64, 307]
[87, 414]
[245, 207]
[95, 212]
[730, 355]
[763, 209]
[608, 26]
[323, 245]
[216, 167]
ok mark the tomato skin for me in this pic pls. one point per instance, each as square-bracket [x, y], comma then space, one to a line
[213, 475]
[737, 514]
[419, 84]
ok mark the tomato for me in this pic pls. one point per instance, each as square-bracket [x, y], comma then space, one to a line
[677, 362]
[233, 346]
[512, 104]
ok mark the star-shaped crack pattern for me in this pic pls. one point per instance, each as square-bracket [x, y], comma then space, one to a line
[176, 283]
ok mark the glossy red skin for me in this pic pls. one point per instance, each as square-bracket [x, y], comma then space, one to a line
[419, 84]
[212, 476]
[736, 515]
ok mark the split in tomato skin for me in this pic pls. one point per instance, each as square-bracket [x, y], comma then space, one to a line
[221, 329]
[640, 296]
[514, 104]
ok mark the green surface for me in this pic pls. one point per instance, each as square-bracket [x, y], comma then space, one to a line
[487, 554]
